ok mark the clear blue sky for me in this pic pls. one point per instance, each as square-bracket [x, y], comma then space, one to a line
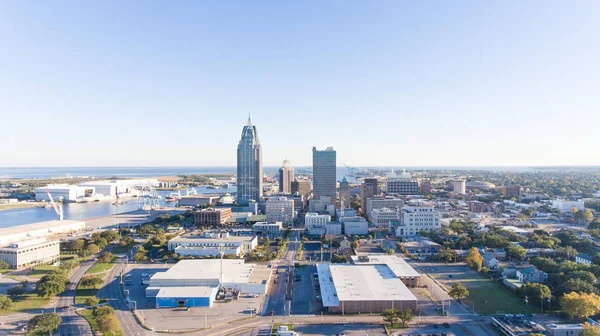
[387, 83]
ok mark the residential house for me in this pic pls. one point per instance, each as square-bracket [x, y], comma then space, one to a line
[498, 253]
[532, 274]
[583, 258]
[490, 262]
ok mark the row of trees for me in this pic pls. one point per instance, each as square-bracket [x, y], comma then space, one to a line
[393, 315]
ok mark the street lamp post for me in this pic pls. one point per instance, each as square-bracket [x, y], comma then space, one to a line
[550, 305]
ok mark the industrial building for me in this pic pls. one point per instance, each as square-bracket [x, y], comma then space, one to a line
[401, 269]
[42, 229]
[352, 289]
[30, 253]
[196, 283]
[209, 242]
[198, 200]
[94, 190]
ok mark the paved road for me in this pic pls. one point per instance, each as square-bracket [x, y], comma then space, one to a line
[73, 324]
[111, 291]
[280, 292]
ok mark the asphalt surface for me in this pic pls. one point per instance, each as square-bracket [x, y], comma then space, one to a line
[73, 324]
[280, 292]
[112, 293]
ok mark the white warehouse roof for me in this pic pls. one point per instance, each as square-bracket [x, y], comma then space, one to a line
[396, 264]
[234, 271]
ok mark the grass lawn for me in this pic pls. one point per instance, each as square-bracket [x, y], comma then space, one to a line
[27, 302]
[123, 249]
[39, 271]
[88, 314]
[500, 300]
[100, 268]
[84, 292]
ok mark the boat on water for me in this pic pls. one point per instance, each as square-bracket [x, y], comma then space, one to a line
[118, 202]
[212, 187]
[170, 199]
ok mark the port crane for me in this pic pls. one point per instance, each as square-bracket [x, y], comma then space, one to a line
[57, 208]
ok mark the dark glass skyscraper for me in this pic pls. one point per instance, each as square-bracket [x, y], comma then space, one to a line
[324, 179]
[249, 166]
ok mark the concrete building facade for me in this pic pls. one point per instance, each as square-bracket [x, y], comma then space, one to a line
[280, 209]
[301, 187]
[30, 253]
[368, 189]
[459, 186]
[271, 229]
[379, 202]
[384, 216]
[212, 217]
[416, 219]
[286, 176]
[344, 194]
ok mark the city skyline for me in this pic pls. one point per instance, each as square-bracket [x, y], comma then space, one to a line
[386, 83]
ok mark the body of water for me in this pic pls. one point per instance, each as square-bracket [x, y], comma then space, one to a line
[84, 211]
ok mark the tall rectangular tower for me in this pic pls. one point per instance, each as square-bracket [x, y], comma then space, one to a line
[324, 173]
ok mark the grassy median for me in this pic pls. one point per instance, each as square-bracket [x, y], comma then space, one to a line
[88, 314]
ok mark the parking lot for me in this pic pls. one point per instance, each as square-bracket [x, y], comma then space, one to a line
[304, 291]
[431, 329]
[312, 251]
[132, 279]
[354, 329]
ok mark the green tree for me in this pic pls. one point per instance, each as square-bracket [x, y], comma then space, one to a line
[545, 264]
[107, 323]
[586, 276]
[44, 323]
[92, 249]
[16, 291]
[517, 252]
[590, 330]
[91, 301]
[5, 303]
[575, 285]
[103, 311]
[566, 252]
[538, 293]
[405, 316]
[390, 316]
[3, 264]
[105, 257]
[458, 291]
[474, 259]
[77, 245]
[580, 305]
[92, 281]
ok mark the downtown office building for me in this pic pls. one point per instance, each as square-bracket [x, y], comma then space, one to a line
[249, 166]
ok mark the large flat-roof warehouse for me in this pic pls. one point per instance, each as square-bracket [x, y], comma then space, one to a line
[194, 283]
[367, 286]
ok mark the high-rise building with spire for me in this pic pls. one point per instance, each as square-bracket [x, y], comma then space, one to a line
[286, 176]
[249, 166]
